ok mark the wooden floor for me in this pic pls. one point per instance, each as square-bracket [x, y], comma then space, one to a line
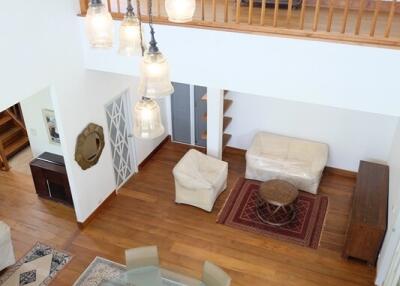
[144, 213]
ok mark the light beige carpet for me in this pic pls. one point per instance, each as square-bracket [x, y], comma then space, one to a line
[20, 162]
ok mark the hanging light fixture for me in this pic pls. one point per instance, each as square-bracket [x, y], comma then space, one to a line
[130, 42]
[99, 25]
[147, 119]
[154, 68]
[180, 11]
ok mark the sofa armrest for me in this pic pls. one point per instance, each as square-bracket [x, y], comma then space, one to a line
[320, 160]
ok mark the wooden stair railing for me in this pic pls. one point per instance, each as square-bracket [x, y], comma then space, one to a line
[373, 22]
[17, 120]
[13, 135]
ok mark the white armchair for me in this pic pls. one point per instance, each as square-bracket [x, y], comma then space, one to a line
[7, 257]
[300, 162]
[199, 179]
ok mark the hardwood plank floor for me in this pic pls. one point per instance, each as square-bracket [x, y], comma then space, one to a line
[144, 213]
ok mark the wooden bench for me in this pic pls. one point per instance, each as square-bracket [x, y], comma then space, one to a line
[368, 220]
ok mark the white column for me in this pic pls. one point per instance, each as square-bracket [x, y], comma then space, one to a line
[215, 115]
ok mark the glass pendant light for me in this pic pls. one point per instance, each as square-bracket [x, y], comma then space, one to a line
[147, 119]
[99, 25]
[130, 34]
[154, 69]
[180, 11]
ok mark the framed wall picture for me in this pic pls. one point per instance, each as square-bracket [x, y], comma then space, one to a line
[51, 126]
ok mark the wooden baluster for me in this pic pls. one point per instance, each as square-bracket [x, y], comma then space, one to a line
[226, 11]
[214, 10]
[262, 17]
[119, 7]
[330, 16]
[109, 5]
[84, 5]
[316, 15]
[302, 14]
[359, 17]
[158, 8]
[345, 16]
[238, 11]
[375, 17]
[3, 158]
[390, 19]
[202, 9]
[289, 13]
[276, 11]
[250, 16]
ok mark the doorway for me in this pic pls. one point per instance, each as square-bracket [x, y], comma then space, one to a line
[189, 114]
[119, 122]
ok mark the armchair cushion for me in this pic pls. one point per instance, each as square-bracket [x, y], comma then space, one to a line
[199, 179]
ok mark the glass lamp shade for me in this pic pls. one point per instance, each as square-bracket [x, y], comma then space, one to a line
[180, 11]
[147, 119]
[129, 37]
[99, 26]
[154, 76]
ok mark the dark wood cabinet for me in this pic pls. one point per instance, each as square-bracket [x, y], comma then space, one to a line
[50, 178]
[368, 220]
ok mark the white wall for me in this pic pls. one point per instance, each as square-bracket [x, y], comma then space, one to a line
[215, 112]
[44, 49]
[40, 47]
[326, 73]
[352, 135]
[32, 109]
[392, 238]
[94, 185]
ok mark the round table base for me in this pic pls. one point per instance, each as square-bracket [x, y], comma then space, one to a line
[271, 217]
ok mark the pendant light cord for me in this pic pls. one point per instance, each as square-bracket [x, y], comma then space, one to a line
[140, 25]
[153, 44]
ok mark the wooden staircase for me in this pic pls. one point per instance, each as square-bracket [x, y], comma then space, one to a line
[226, 121]
[13, 136]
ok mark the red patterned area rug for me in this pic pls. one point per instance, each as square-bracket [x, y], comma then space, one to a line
[239, 211]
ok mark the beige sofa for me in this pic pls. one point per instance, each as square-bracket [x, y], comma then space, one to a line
[199, 179]
[7, 257]
[300, 162]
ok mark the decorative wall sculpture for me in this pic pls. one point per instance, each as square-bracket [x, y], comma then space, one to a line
[89, 146]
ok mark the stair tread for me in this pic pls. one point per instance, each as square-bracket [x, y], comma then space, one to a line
[225, 139]
[8, 134]
[16, 146]
[227, 121]
[227, 104]
[4, 119]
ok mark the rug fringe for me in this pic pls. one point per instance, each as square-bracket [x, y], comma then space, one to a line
[223, 211]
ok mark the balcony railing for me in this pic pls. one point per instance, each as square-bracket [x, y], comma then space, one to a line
[372, 22]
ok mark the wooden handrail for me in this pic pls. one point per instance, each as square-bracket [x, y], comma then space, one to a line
[355, 21]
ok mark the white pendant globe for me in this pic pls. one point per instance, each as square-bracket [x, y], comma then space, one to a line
[129, 37]
[180, 11]
[147, 119]
[99, 26]
[154, 76]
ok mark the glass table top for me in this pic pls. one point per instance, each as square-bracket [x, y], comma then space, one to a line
[144, 276]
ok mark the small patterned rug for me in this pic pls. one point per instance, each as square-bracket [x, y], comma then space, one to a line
[38, 267]
[101, 269]
[239, 211]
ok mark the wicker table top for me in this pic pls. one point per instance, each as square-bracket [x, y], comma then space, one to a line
[278, 192]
